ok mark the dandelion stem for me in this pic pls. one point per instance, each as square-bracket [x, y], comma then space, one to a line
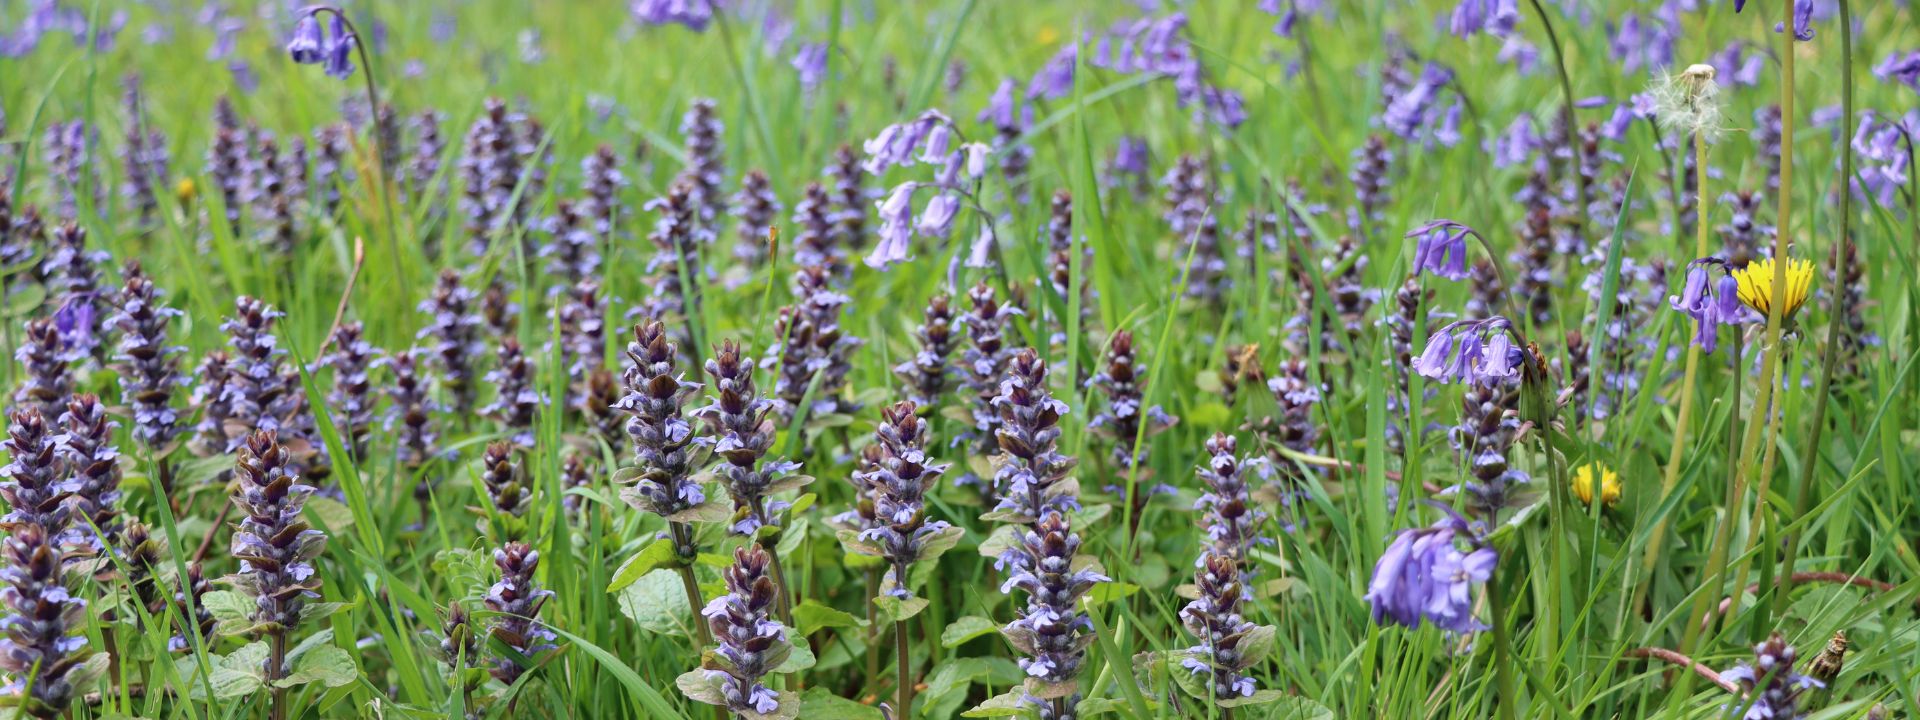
[1842, 253]
[1681, 427]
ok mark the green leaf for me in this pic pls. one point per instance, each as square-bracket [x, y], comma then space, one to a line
[656, 554]
[966, 628]
[1294, 707]
[953, 677]
[819, 703]
[1257, 645]
[939, 543]
[657, 602]
[1107, 592]
[800, 504]
[1007, 704]
[802, 656]
[228, 606]
[464, 569]
[701, 686]
[811, 615]
[791, 537]
[321, 610]
[326, 664]
[331, 514]
[1259, 697]
[897, 609]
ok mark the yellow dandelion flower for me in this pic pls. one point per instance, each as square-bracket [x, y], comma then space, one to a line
[185, 190]
[1756, 285]
[1583, 479]
[1047, 35]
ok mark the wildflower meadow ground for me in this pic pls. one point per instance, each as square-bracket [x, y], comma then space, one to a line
[858, 359]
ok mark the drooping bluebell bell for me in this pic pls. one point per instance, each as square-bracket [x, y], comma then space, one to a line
[1802, 21]
[1424, 576]
[1884, 148]
[1441, 249]
[1494, 17]
[1900, 67]
[896, 227]
[810, 65]
[1711, 303]
[1475, 351]
[332, 49]
[1158, 46]
[1054, 80]
[694, 14]
[1738, 64]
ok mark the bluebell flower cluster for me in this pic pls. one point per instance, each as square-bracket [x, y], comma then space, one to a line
[929, 139]
[1426, 576]
[1159, 46]
[694, 14]
[1884, 148]
[1710, 302]
[1441, 249]
[1479, 351]
[332, 48]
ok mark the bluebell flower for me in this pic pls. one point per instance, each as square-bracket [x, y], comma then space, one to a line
[896, 227]
[1425, 577]
[1903, 68]
[1054, 80]
[694, 14]
[308, 44]
[810, 64]
[1711, 303]
[1496, 17]
[1737, 65]
[1472, 352]
[1802, 21]
[1441, 249]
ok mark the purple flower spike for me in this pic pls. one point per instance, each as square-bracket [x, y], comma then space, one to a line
[1442, 249]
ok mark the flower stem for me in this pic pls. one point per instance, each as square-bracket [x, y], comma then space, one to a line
[1842, 253]
[380, 150]
[1717, 554]
[903, 671]
[1502, 648]
[1681, 426]
[873, 627]
[681, 535]
[1567, 108]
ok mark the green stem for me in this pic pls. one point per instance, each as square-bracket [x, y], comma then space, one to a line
[903, 671]
[1717, 554]
[1502, 649]
[1681, 426]
[681, 535]
[1842, 255]
[1567, 107]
